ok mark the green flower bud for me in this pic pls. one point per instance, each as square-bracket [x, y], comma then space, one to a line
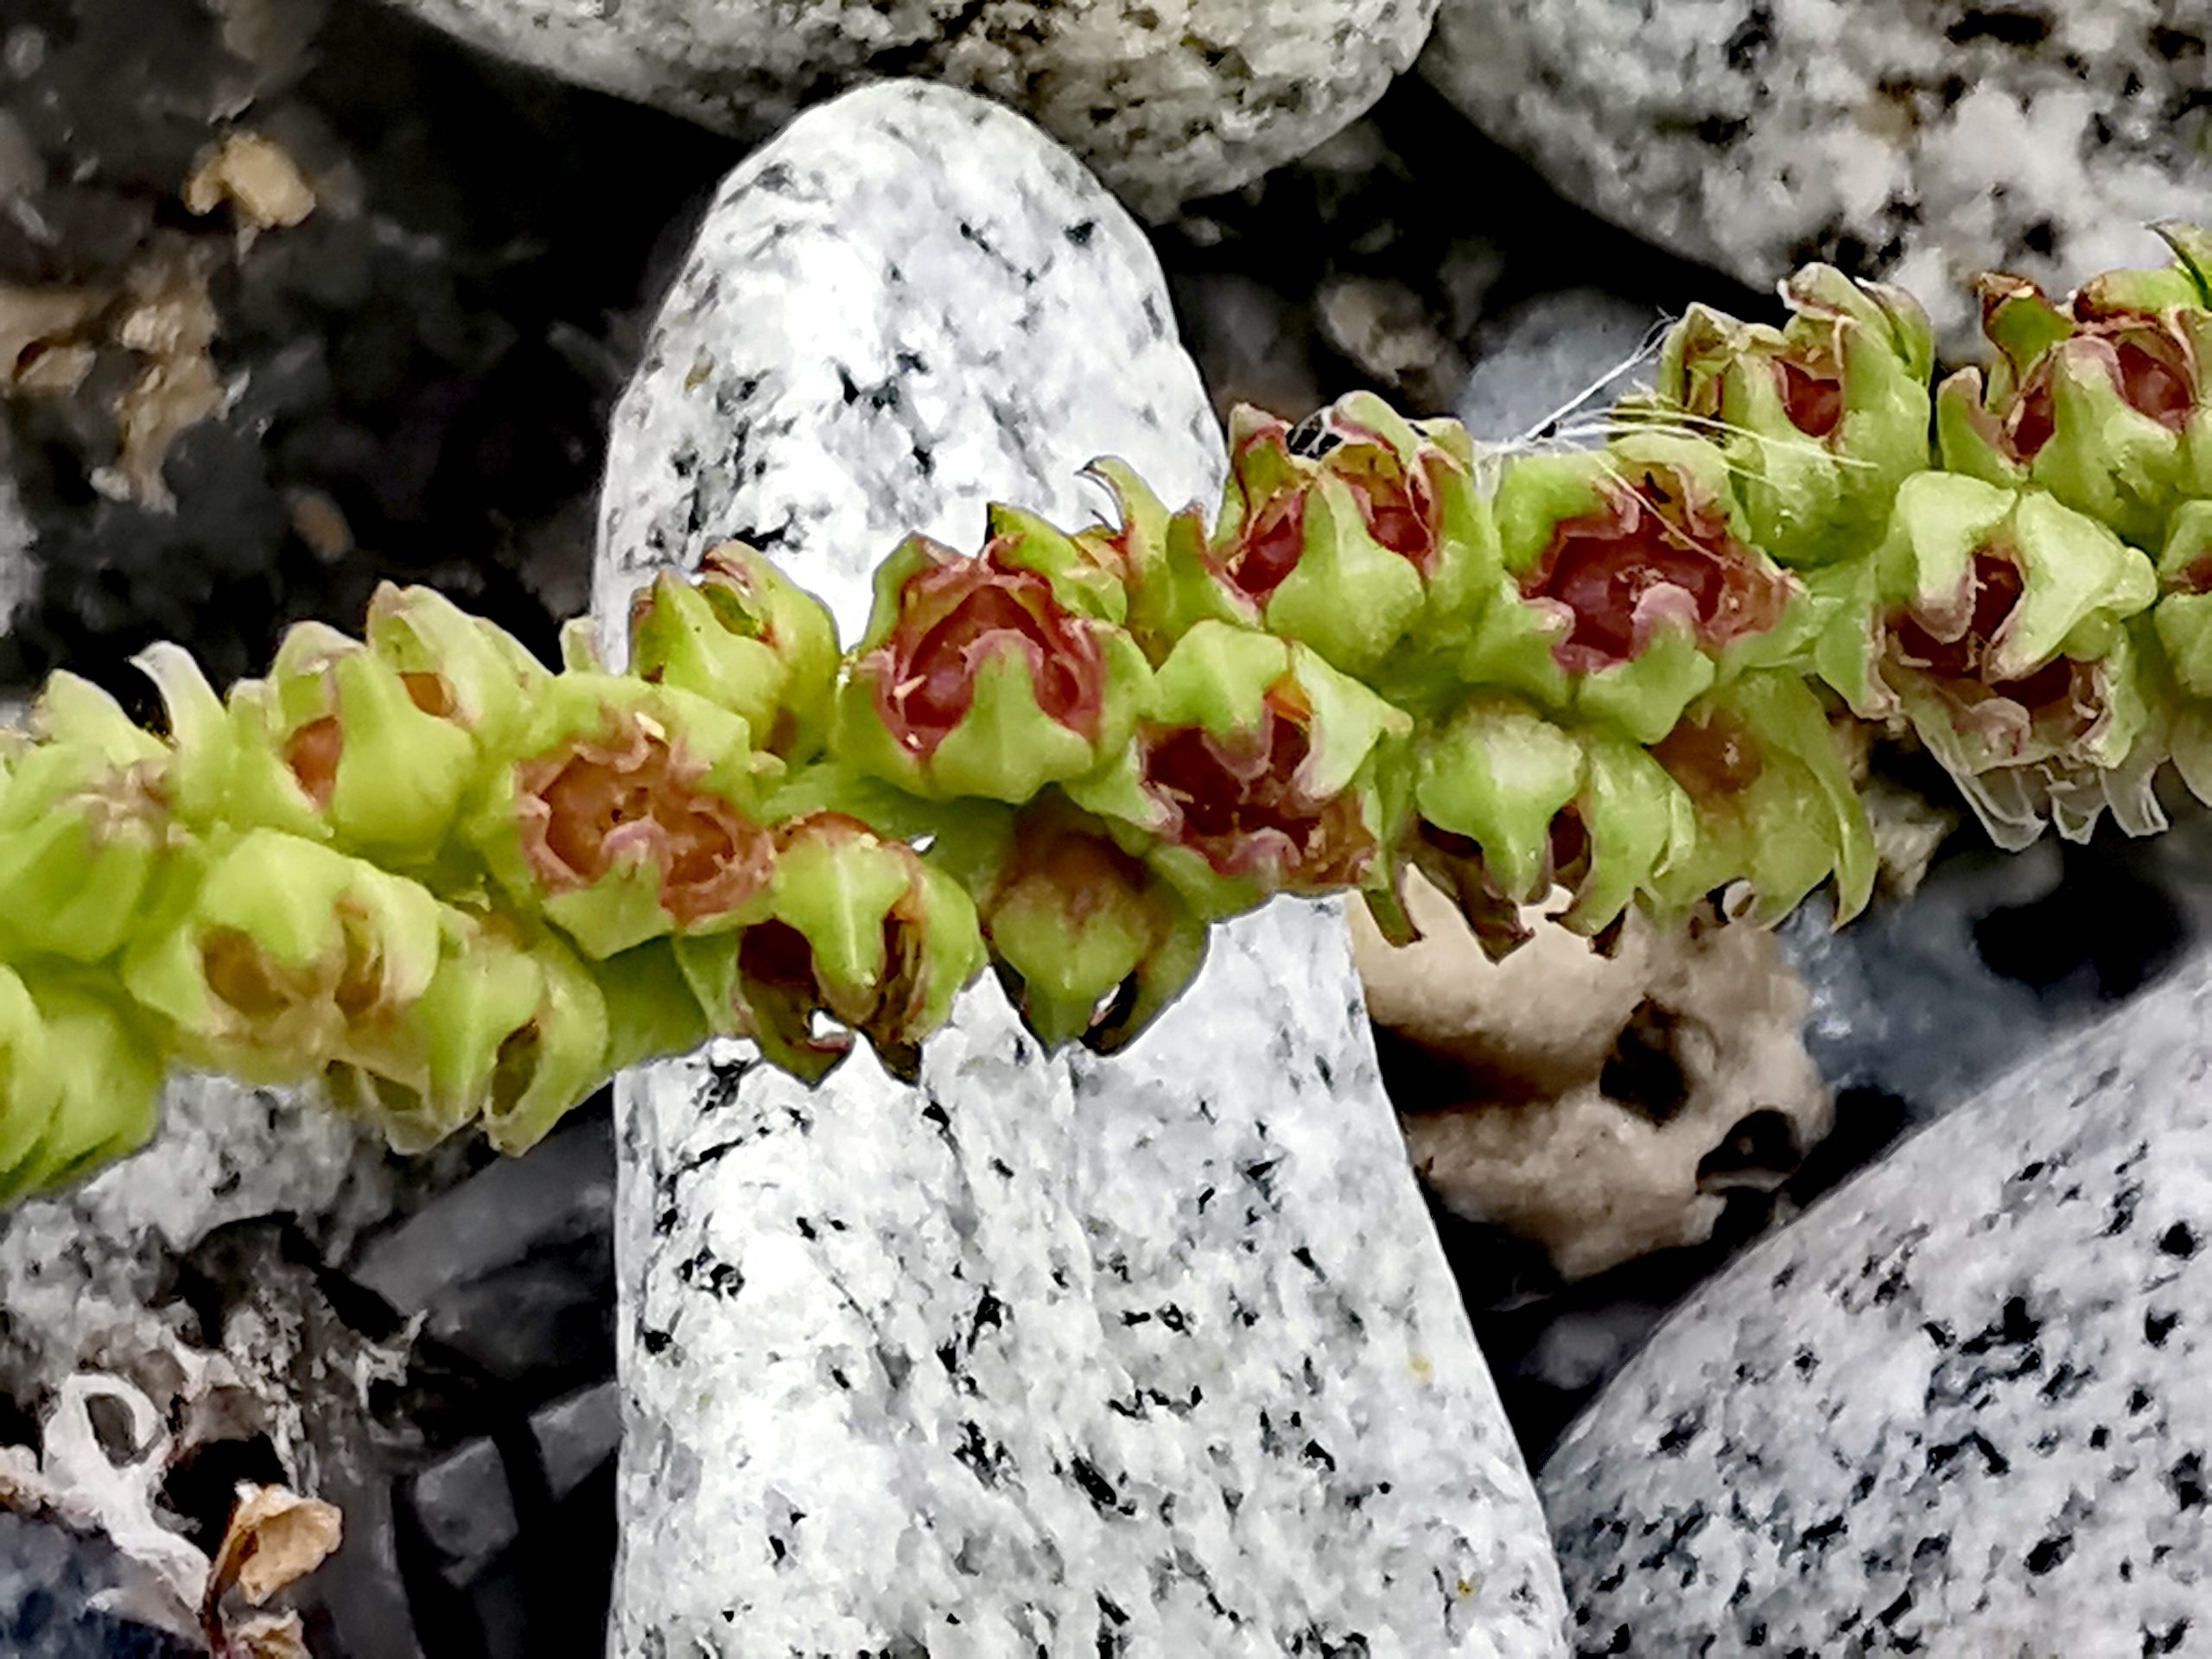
[1995, 622]
[85, 827]
[1091, 943]
[512, 1028]
[30, 1085]
[1352, 531]
[1770, 788]
[338, 743]
[80, 1083]
[628, 815]
[742, 635]
[284, 954]
[861, 929]
[2105, 400]
[1257, 769]
[1636, 590]
[1512, 805]
[1820, 420]
[988, 676]
[458, 667]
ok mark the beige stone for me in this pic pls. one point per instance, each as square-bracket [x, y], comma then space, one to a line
[1601, 1108]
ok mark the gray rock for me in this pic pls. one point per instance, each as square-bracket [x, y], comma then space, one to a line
[1916, 142]
[86, 1276]
[54, 1584]
[1957, 1407]
[466, 1508]
[1555, 361]
[1166, 102]
[1157, 1356]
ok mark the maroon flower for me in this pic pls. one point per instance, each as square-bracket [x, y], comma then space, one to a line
[1657, 550]
[1239, 802]
[954, 614]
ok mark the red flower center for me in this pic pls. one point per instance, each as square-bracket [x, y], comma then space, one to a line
[625, 797]
[1812, 397]
[1650, 557]
[958, 615]
[1237, 803]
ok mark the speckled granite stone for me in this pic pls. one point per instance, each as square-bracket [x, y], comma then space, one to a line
[1919, 142]
[86, 1277]
[1157, 1357]
[1167, 101]
[1958, 1408]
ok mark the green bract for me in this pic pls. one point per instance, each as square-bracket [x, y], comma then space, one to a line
[1512, 804]
[1092, 942]
[1820, 420]
[1771, 793]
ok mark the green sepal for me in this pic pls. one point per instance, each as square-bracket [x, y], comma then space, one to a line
[652, 1012]
[743, 635]
[1498, 773]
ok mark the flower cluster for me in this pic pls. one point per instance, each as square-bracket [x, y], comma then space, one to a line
[461, 885]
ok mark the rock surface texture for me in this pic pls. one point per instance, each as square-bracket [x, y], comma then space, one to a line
[1148, 1357]
[1958, 1407]
[1920, 142]
[1181, 98]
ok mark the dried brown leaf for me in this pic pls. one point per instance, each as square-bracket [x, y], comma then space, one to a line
[39, 326]
[275, 1537]
[270, 1636]
[256, 176]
